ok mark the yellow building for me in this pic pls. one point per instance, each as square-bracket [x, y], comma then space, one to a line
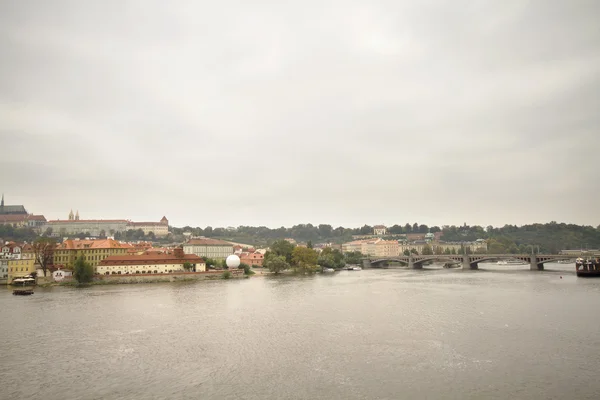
[19, 268]
[373, 247]
[93, 251]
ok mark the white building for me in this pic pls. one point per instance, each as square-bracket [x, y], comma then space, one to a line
[379, 230]
[150, 264]
[211, 248]
[61, 274]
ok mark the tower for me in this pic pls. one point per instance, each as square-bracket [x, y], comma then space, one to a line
[2, 203]
[77, 216]
[71, 217]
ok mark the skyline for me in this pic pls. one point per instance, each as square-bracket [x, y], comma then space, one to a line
[340, 113]
[314, 223]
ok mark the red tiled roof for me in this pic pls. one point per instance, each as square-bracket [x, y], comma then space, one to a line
[209, 242]
[71, 244]
[150, 259]
[13, 217]
[146, 223]
[71, 221]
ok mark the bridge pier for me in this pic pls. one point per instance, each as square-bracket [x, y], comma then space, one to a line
[366, 263]
[466, 263]
[413, 265]
[534, 265]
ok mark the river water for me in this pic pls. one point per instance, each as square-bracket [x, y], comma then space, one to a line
[496, 333]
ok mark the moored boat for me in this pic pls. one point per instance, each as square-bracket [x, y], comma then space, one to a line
[23, 292]
[589, 268]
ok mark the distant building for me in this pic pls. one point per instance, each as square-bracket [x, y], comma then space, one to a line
[151, 264]
[252, 259]
[107, 227]
[22, 220]
[11, 210]
[211, 248]
[160, 229]
[11, 250]
[93, 251]
[379, 230]
[373, 247]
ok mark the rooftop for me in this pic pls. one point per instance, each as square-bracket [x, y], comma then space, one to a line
[152, 258]
[72, 244]
[208, 242]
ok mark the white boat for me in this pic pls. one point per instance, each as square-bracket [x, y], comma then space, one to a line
[511, 262]
[354, 269]
[328, 270]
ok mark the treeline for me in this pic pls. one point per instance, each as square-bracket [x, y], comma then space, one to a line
[283, 255]
[262, 235]
[8, 233]
[545, 238]
[549, 238]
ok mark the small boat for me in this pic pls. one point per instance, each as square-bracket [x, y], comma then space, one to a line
[354, 269]
[589, 268]
[511, 262]
[23, 292]
[452, 265]
[328, 270]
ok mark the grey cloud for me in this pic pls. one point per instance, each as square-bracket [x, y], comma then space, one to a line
[275, 113]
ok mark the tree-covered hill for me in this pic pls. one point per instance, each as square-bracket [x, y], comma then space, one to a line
[551, 237]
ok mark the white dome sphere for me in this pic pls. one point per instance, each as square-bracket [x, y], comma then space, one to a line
[233, 261]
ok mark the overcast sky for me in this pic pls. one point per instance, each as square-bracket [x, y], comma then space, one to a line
[283, 112]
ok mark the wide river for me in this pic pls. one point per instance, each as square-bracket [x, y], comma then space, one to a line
[496, 333]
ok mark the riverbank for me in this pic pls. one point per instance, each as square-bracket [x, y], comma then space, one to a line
[152, 278]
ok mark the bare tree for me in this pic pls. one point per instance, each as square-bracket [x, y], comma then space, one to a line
[44, 252]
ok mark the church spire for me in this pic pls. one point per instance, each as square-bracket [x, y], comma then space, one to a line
[71, 217]
[2, 204]
[77, 216]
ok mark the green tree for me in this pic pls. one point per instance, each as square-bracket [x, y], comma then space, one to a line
[275, 263]
[414, 251]
[353, 257]
[283, 248]
[326, 261]
[83, 271]
[309, 244]
[406, 252]
[304, 260]
[187, 266]
[247, 269]
[427, 250]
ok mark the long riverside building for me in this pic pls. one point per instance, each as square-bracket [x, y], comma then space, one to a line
[150, 264]
[211, 248]
[93, 251]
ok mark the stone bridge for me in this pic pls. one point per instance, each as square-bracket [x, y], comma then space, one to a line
[468, 261]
